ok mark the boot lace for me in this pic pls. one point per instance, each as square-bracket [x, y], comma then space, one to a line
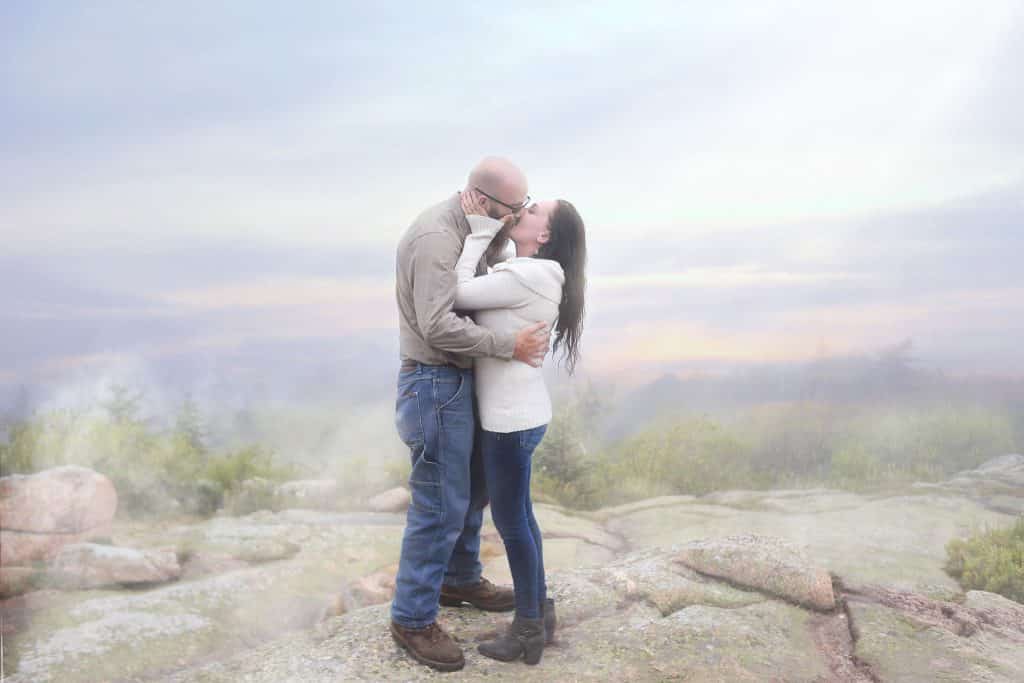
[434, 633]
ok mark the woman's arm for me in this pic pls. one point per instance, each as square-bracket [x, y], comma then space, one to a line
[482, 232]
[496, 290]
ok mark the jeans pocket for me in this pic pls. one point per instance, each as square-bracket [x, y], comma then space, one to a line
[425, 485]
[408, 419]
[448, 391]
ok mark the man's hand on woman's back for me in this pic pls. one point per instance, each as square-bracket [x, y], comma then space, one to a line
[532, 344]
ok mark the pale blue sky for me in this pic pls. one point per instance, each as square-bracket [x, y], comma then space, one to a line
[780, 173]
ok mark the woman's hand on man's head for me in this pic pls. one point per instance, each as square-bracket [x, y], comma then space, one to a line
[473, 204]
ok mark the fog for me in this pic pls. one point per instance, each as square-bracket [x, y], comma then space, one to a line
[804, 231]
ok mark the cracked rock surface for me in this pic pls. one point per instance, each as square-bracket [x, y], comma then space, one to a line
[801, 585]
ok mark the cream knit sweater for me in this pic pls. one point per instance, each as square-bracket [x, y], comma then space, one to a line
[512, 396]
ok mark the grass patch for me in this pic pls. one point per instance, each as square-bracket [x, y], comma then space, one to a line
[992, 560]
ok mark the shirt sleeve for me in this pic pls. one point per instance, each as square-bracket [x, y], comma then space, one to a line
[433, 290]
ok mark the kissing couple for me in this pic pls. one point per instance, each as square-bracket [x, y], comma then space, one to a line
[483, 281]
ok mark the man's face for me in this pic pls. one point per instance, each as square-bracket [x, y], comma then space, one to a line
[496, 210]
[499, 205]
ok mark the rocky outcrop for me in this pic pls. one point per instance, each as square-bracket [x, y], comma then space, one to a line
[392, 500]
[317, 494]
[770, 565]
[224, 604]
[17, 580]
[799, 585]
[91, 565]
[998, 484]
[372, 589]
[231, 607]
[42, 512]
[645, 617]
[898, 541]
[607, 632]
[906, 637]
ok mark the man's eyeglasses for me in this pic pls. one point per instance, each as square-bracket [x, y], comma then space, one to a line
[510, 207]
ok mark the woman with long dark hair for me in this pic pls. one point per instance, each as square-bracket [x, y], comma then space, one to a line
[545, 282]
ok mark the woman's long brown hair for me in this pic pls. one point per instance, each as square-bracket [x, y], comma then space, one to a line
[568, 246]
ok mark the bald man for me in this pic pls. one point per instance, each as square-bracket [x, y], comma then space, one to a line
[436, 417]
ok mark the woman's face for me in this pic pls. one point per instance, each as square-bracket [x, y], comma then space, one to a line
[531, 230]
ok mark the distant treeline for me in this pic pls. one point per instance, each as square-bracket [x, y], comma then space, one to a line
[858, 423]
[871, 445]
[892, 373]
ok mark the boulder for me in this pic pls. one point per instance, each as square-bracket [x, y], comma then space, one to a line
[90, 565]
[40, 513]
[371, 589]
[392, 500]
[18, 548]
[670, 586]
[770, 565]
[60, 500]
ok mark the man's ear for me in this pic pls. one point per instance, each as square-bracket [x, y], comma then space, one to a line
[481, 200]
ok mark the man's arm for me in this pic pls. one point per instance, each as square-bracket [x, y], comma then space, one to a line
[433, 286]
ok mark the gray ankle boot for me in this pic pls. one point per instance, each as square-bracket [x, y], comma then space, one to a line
[547, 610]
[524, 638]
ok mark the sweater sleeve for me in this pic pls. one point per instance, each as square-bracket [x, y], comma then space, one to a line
[482, 232]
[496, 290]
[501, 289]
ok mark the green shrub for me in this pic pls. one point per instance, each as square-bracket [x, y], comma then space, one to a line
[561, 467]
[17, 456]
[250, 495]
[692, 455]
[789, 439]
[992, 561]
[853, 467]
[231, 469]
[931, 442]
[154, 472]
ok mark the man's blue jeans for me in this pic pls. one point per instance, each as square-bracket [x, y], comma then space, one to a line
[436, 418]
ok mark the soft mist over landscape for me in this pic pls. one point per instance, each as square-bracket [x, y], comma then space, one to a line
[804, 297]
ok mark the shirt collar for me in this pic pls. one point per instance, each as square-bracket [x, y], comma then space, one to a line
[455, 205]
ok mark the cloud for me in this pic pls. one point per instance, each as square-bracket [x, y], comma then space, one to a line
[341, 123]
[286, 292]
[722, 277]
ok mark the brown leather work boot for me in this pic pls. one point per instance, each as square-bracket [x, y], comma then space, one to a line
[430, 645]
[482, 595]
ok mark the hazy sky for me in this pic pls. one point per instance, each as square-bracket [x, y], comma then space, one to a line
[759, 180]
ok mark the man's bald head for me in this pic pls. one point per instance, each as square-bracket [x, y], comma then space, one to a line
[499, 178]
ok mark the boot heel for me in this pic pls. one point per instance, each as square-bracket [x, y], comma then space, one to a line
[533, 650]
[450, 602]
[532, 641]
